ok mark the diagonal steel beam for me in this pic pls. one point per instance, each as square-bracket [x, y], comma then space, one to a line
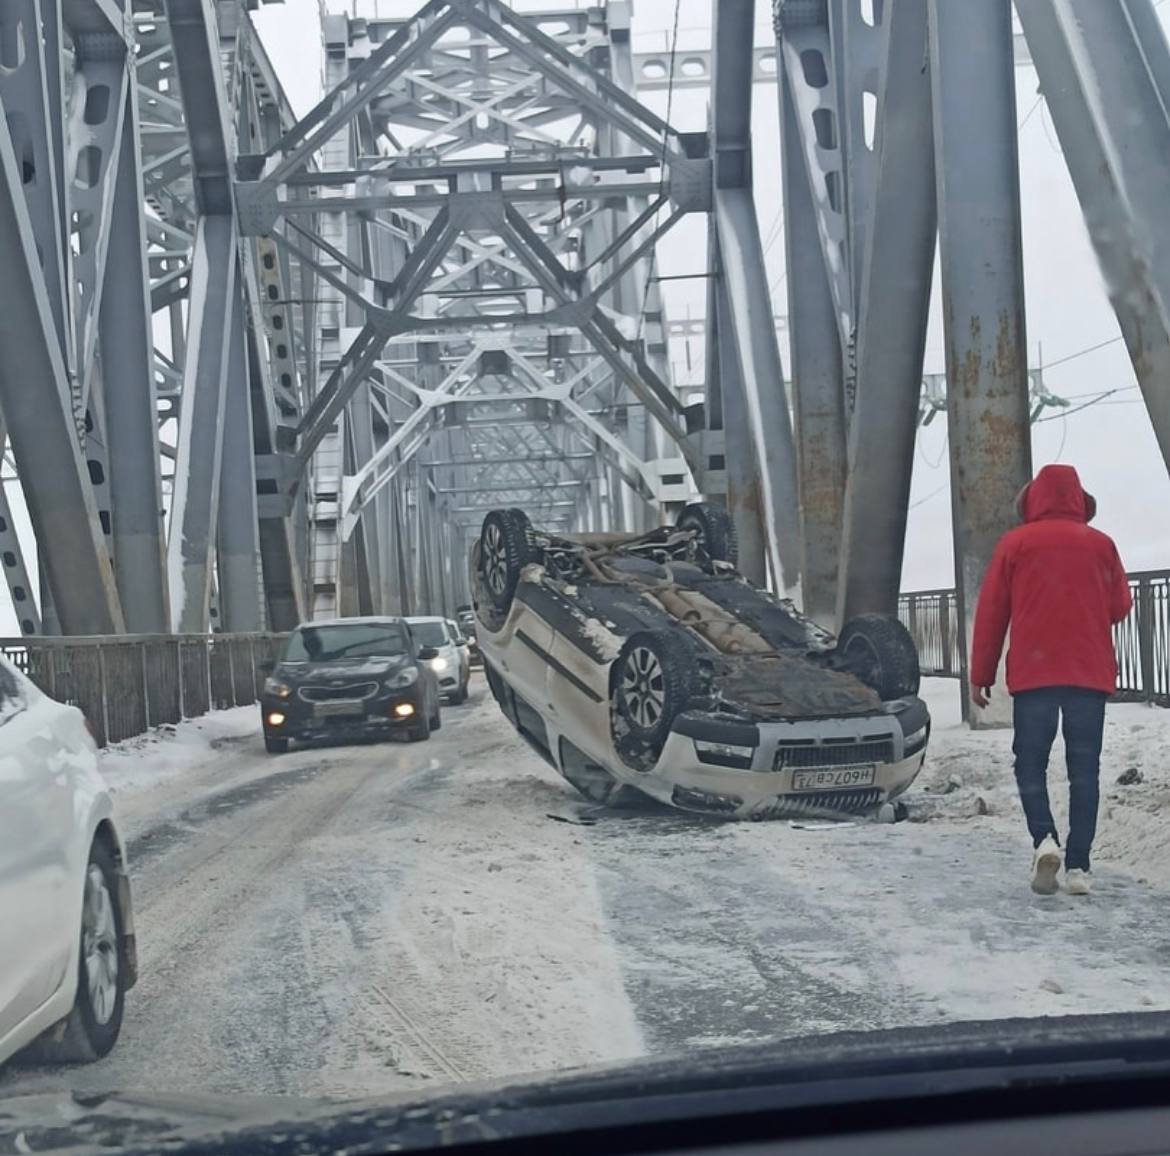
[899, 268]
[389, 61]
[195, 501]
[129, 395]
[351, 371]
[1105, 74]
[41, 427]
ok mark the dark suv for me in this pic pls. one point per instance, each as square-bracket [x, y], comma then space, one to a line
[350, 678]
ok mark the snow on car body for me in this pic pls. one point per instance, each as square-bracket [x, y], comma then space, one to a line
[648, 661]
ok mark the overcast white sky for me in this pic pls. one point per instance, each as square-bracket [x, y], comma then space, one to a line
[1111, 443]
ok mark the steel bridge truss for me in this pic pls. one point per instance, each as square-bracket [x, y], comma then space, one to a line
[899, 128]
[481, 229]
[254, 368]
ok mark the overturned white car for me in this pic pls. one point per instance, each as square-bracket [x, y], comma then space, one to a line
[647, 661]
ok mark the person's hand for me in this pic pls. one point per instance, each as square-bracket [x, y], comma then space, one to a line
[980, 696]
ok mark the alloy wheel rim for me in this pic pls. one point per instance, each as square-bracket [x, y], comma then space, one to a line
[644, 687]
[495, 561]
[99, 946]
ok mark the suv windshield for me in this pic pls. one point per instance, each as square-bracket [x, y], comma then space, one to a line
[329, 643]
[429, 633]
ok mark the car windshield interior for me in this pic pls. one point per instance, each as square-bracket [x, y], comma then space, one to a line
[331, 643]
[552, 535]
[429, 633]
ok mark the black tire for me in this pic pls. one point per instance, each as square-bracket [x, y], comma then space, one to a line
[421, 731]
[652, 679]
[459, 695]
[275, 746]
[878, 650]
[716, 530]
[436, 722]
[92, 1027]
[505, 548]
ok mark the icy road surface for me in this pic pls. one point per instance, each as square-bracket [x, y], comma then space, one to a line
[355, 921]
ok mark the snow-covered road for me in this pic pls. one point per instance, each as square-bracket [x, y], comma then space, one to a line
[355, 921]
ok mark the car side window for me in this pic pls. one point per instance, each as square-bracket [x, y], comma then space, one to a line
[13, 697]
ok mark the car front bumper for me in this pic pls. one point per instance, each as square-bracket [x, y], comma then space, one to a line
[370, 718]
[810, 768]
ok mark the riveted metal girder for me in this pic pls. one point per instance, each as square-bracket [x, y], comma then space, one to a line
[1105, 73]
[895, 304]
[977, 178]
[41, 426]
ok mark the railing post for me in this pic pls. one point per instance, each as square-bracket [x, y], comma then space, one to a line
[944, 633]
[103, 691]
[145, 685]
[232, 673]
[207, 640]
[179, 678]
[1145, 625]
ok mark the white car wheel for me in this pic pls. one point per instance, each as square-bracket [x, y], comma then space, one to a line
[99, 946]
[644, 687]
[92, 1027]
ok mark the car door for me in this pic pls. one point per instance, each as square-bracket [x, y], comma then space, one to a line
[37, 829]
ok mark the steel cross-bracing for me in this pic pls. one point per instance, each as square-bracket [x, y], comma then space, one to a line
[899, 130]
[256, 367]
[480, 225]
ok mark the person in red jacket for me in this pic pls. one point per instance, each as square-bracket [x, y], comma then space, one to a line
[1061, 587]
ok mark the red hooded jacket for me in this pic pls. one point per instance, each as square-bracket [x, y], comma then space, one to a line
[1061, 587]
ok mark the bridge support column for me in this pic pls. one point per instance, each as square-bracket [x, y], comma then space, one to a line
[977, 173]
[817, 382]
[238, 539]
[895, 307]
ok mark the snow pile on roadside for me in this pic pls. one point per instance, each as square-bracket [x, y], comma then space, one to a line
[968, 777]
[169, 750]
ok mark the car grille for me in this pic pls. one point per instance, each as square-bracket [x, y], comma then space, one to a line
[797, 757]
[334, 693]
[819, 803]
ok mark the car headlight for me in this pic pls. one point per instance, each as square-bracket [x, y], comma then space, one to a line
[276, 687]
[438, 665]
[724, 754]
[402, 679]
[917, 740]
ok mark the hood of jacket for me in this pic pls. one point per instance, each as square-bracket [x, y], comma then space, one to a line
[1056, 492]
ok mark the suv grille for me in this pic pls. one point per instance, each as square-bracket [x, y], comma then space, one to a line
[820, 803]
[843, 754]
[333, 693]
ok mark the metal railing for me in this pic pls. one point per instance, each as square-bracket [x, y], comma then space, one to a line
[1142, 640]
[127, 684]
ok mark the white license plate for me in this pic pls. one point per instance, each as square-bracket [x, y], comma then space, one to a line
[833, 778]
[347, 707]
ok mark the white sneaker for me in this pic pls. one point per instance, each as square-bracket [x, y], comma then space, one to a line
[1077, 881]
[1045, 867]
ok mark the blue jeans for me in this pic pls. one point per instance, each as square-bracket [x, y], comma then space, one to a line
[1082, 713]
